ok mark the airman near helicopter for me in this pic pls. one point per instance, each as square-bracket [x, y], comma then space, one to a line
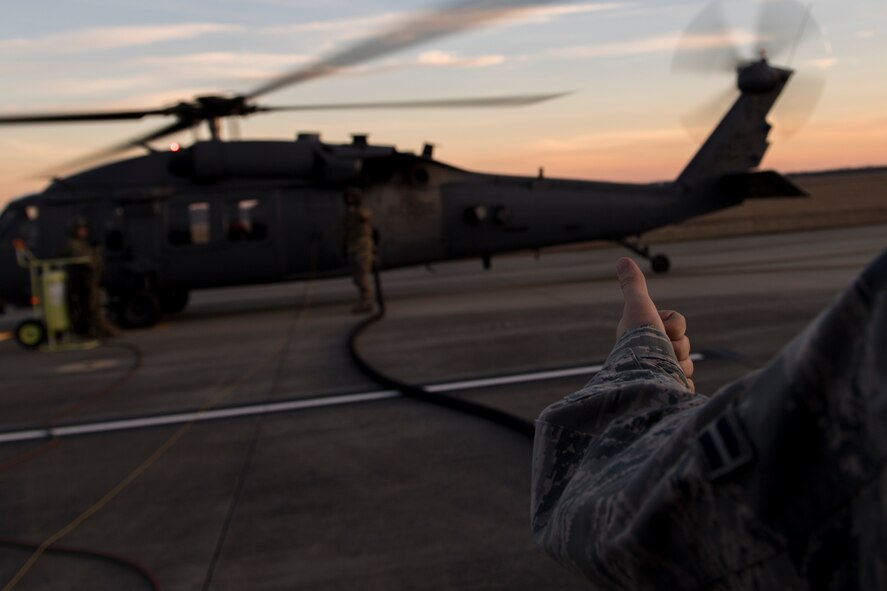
[360, 248]
[84, 290]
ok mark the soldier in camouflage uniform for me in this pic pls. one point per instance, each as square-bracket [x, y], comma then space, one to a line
[360, 248]
[84, 289]
[775, 482]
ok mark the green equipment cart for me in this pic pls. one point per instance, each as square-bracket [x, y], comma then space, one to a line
[50, 329]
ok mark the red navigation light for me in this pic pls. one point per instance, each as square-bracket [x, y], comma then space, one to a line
[174, 147]
[35, 301]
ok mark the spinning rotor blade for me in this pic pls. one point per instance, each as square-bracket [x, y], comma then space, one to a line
[796, 106]
[782, 24]
[789, 30]
[701, 120]
[86, 116]
[121, 147]
[455, 103]
[707, 44]
[154, 135]
[460, 16]
[783, 28]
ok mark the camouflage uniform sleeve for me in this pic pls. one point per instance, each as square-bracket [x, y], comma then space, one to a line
[599, 440]
[775, 482]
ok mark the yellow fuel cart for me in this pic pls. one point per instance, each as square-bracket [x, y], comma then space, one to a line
[50, 328]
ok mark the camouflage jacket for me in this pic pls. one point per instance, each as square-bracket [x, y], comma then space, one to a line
[775, 482]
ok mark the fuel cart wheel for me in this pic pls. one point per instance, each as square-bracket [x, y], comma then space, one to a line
[30, 333]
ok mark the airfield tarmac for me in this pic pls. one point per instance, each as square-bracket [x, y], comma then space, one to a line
[375, 492]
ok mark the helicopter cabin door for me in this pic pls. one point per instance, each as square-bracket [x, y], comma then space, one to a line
[223, 239]
[313, 219]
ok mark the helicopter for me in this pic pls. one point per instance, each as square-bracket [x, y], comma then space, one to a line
[221, 213]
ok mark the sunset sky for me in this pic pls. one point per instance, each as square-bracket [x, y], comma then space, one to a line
[628, 116]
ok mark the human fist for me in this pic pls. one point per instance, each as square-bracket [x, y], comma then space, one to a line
[638, 310]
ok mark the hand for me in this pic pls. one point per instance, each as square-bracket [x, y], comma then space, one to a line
[638, 310]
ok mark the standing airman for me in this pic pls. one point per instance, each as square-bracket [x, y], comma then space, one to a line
[84, 289]
[360, 248]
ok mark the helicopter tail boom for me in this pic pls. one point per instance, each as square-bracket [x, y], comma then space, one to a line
[738, 143]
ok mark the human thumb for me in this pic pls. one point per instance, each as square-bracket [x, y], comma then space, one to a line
[638, 309]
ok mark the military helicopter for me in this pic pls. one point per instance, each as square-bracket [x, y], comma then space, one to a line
[220, 213]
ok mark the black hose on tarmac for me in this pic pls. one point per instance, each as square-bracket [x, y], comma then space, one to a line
[108, 557]
[502, 418]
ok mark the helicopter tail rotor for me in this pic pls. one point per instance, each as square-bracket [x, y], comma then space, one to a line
[784, 29]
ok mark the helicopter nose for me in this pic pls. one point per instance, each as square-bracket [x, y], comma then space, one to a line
[13, 279]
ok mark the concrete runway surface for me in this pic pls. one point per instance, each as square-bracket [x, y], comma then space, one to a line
[380, 492]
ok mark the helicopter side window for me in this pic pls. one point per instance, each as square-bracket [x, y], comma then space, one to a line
[246, 220]
[189, 223]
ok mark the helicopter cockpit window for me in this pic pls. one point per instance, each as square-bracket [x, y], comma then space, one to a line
[189, 223]
[246, 220]
[21, 222]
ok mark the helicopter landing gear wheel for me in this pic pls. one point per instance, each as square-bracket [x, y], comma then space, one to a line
[30, 333]
[139, 309]
[173, 301]
[660, 263]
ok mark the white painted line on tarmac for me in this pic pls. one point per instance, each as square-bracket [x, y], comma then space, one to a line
[186, 417]
[24, 435]
[288, 406]
[515, 379]
[526, 377]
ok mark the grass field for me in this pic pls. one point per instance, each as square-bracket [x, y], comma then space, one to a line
[837, 199]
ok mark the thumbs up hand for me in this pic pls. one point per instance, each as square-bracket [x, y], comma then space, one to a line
[639, 310]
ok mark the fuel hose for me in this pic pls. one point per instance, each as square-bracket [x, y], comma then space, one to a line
[500, 417]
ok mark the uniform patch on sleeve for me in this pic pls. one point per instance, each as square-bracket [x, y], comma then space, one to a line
[723, 445]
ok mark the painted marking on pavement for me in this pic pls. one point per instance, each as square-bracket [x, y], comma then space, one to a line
[287, 405]
[88, 366]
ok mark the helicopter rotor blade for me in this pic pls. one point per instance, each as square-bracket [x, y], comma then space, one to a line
[154, 135]
[702, 120]
[796, 107]
[782, 25]
[136, 142]
[785, 29]
[83, 116]
[448, 20]
[453, 103]
[707, 45]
